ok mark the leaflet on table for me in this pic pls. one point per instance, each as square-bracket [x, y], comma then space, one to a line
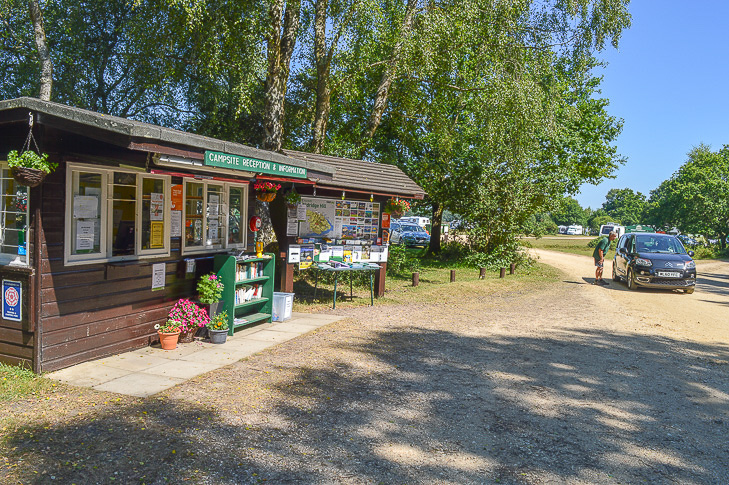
[325, 254]
[378, 254]
[337, 253]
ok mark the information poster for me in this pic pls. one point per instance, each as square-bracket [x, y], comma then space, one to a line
[338, 219]
[157, 235]
[85, 207]
[158, 276]
[176, 224]
[306, 257]
[85, 235]
[294, 254]
[292, 222]
[156, 207]
[176, 198]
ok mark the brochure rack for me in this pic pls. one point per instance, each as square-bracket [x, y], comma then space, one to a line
[248, 291]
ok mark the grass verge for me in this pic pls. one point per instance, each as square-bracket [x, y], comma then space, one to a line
[17, 383]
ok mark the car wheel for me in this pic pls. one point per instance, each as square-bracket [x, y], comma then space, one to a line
[688, 291]
[616, 278]
[630, 280]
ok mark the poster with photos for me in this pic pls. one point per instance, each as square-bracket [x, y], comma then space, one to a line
[352, 220]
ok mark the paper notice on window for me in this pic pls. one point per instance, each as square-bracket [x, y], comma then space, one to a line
[213, 201]
[176, 224]
[157, 235]
[157, 207]
[213, 229]
[158, 276]
[85, 207]
[85, 235]
[292, 227]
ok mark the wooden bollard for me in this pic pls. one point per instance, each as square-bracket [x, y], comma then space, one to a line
[416, 279]
[482, 273]
[502, 272]
[512, 268]
[453, 275]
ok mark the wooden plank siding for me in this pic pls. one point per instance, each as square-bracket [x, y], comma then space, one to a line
[17, 341]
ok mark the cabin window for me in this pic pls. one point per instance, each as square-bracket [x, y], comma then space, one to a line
[13, 220]
[214, 215]
[114, 215]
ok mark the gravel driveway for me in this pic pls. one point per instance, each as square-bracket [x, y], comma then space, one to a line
[553, 382]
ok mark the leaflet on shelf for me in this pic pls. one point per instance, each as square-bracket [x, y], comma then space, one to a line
[247, 293]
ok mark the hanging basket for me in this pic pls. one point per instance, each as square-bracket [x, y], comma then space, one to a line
[395, 214]
[265, 196]
[28, 176]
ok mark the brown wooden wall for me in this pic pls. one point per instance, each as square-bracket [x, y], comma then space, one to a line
[17, 338]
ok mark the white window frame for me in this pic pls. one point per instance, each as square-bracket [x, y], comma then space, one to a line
[106, 229]
[7, 259]
[224, 206]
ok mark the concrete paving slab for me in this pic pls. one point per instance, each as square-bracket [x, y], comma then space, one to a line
[136, 362]
[88, 374]
[139, 384]
[247, 347]
[296, 328]
[272, 336]
[216, 357]
[181, 369]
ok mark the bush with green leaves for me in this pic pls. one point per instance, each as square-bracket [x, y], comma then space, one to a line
[593, 242]
[400, 260]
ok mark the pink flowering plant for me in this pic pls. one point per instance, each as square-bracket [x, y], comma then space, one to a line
[209, 289]
[266, 187]
[188, 315]
[397, 205]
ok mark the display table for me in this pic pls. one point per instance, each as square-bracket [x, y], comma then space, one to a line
[337, 268]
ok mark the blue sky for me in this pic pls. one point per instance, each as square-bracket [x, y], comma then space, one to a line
[669, 81]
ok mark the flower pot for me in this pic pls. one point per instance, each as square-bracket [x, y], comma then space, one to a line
[187, 337]
[265, 196]
[28, 176]
[291, 206]
[168, 341]
[212, 308]
[217, 336]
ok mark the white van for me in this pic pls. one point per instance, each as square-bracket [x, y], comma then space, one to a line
[574, 230]
[421, 221]
[605, 229]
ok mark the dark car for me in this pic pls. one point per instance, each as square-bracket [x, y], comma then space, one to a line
[654, 261]
[411, 235]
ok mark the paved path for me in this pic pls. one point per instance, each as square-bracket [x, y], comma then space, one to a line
[150, 370]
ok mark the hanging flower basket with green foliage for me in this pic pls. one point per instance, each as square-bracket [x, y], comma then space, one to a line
[29, 168]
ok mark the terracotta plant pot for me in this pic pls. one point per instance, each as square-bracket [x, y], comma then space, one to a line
[217, 336]
[265, 196]
[168, 341]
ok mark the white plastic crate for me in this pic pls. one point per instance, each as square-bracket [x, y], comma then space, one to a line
[283, 303]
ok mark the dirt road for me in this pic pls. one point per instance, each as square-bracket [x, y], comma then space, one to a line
[519, 381]
[702, 316]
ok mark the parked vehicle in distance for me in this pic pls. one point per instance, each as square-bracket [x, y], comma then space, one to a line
[421, 221]
[688, 241]
[409, 234]
[562, 229]
[574, 230]
[639, 228]
[606, 229]
[654, 261]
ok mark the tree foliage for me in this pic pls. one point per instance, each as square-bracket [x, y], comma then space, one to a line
[625, 206]
[696, 198]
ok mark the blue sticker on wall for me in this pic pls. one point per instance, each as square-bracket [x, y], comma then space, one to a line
[12, 300]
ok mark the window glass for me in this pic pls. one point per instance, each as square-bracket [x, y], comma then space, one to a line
[153, 213]
[194, 214]
[14, 218]
[235, 216]
[86, 213]
[215, 213]
[124, 210]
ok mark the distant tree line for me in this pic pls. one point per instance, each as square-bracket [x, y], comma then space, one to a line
[694, 200]
[491, 106]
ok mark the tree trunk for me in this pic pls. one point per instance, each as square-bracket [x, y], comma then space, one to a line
[46, 74]
[323, 90]
[436, 223]
[383, 90]
[280, 47]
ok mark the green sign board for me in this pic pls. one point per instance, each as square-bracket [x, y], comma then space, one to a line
[235, 162]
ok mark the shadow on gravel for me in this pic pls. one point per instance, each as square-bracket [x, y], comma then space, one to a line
[595, 407]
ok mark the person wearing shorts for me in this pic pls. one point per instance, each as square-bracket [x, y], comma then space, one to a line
[603, 246]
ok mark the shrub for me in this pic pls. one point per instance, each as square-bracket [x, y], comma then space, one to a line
[400, 260]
